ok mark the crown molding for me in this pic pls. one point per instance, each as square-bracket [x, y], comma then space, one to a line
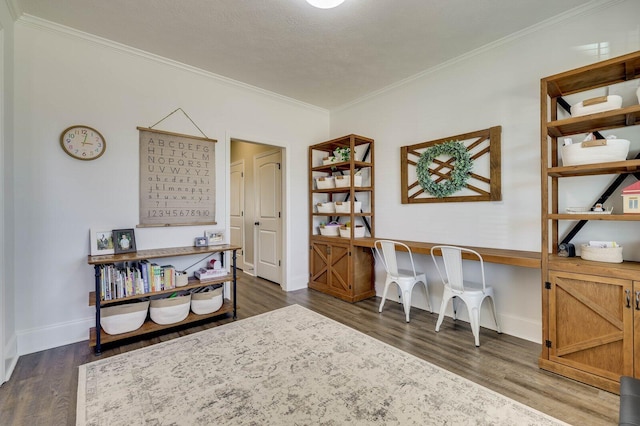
[14, 9]
[45, 25]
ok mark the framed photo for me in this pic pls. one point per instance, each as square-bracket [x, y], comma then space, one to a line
[124, 241]
[214, 237]
[101, 242]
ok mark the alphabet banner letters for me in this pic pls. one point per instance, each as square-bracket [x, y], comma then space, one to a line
[177, 179]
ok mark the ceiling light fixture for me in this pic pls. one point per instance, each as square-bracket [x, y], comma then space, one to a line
[325, 4]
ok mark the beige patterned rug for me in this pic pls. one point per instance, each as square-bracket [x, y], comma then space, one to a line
[291, 366]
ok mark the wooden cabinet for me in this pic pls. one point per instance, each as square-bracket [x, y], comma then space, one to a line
[336, 266]
[97, 336]
[590, 310]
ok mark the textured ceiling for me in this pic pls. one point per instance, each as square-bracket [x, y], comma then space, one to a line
[323, 57]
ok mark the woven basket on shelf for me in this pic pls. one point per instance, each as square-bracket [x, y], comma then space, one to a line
[601, 254]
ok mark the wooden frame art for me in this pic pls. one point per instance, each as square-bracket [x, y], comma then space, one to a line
[484, 182]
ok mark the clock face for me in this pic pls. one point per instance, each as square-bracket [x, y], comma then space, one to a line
[83, 142]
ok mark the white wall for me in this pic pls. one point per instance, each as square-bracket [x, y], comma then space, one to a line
[63, 78]
[8, 342]
[496, 85]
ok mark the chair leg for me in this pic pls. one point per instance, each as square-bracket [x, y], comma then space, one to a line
[384, 295]
[495, 315]
[474, 317]
[406, 301]
[454, 299]
[443, 307]
[426, 291]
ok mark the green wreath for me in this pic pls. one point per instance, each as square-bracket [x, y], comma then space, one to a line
[458, 176]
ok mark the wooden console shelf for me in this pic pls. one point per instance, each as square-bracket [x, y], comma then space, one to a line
[97, 336]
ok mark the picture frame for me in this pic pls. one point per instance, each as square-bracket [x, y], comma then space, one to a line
[214, 237]
[124, 241]
[101, 241]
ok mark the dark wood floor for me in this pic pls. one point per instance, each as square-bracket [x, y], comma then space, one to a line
[42, 389]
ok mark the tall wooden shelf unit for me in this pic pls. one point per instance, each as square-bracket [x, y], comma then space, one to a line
[590, 310]
[97, 336]
[337, 267]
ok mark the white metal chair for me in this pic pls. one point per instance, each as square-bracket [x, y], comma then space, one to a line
[405, 279]
[456, 287]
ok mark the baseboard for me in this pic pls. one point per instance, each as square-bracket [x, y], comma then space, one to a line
[40, 339]
[297, 283]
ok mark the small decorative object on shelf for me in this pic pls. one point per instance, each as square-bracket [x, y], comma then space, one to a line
[566, 250]
[200, 242]
[124, 241]
[214, 238]
[631, 198]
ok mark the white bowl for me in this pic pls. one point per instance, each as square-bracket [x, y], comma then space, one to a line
[123, 318]
[170, 310]
[206, 302]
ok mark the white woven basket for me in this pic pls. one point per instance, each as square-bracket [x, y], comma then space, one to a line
[326, 207]
[326, 182]
[601, 254]
[615, 150]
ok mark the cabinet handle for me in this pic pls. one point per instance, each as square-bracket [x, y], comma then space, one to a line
[628, 293]
[638, 300]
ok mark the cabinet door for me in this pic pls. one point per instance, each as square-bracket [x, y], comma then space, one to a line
[330, 268]
[590, 327]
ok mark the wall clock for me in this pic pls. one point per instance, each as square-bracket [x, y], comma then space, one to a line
[83, 142]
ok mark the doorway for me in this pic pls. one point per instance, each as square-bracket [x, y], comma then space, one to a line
[256, 206]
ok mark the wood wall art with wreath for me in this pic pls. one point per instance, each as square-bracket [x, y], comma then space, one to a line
[481, 182]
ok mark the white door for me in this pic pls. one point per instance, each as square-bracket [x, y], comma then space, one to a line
[268, 223]
[237, 210]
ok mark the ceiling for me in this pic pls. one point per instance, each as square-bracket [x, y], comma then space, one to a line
[325, 58]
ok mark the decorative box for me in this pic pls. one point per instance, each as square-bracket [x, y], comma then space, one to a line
[170, 310]
[345, 206]
[330, 229]
[206, 302]
[204, 274]
[598, 151]
[326, 207]
[594, 105]
[123, 318]
[601, 254]
[326, 182]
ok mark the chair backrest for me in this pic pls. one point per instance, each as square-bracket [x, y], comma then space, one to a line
[452, 260]
[386, 251]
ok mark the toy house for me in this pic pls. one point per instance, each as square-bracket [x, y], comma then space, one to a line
[631, 198]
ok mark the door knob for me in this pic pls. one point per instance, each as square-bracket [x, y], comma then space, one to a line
[256, 223]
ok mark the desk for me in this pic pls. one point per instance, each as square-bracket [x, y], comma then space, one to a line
[526, 259]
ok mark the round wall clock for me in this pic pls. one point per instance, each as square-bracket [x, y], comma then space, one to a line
[83, 142]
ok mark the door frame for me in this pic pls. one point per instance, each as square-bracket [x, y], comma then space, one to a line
[241, 264]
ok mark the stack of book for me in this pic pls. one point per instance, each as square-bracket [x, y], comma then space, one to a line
[135, 278]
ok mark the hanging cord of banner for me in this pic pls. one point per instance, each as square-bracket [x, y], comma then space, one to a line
[186, 115]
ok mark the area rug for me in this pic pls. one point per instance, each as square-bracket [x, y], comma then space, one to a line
[290, 366]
